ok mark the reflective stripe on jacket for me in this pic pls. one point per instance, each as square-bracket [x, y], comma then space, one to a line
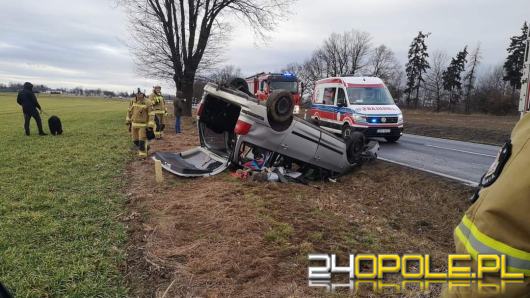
[158, 103]
[139, 113]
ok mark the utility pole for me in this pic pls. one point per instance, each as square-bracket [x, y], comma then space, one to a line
[524, 101]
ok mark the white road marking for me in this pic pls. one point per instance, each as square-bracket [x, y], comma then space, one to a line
[458, 150]
[465, 181]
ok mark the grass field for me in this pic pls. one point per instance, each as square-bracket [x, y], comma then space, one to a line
[61, 198]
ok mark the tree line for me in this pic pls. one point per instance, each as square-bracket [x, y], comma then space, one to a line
[453, 84]
[79, 91]
[433, 81]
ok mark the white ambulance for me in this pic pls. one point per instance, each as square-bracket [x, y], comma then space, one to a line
[346, 104]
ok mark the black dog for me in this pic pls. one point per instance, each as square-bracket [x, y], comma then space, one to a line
[56, 128]
[3, 292]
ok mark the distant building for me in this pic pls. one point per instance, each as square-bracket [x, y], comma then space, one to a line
[54, 92]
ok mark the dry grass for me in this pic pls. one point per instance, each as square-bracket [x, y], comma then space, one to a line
[480, 128]
[220, 236]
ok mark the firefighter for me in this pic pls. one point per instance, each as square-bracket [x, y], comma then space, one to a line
[159, 110]
[498, 222]
[140, 119]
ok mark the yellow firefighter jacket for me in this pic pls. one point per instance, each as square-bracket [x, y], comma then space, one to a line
[499, 221]
[159, 105]
[139, 113]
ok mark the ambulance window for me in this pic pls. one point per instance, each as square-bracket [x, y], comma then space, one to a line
[329, 96]
[262, 86]
[341, 97]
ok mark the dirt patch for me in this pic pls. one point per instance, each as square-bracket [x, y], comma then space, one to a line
[479, 128]
[220, 236]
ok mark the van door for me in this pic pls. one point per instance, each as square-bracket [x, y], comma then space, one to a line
[340, 103]
[327, 113]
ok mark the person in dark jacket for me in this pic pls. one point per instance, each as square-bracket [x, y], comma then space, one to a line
[27, 99]
[177, 110]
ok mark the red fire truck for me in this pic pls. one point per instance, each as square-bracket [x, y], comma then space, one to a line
[263, 84]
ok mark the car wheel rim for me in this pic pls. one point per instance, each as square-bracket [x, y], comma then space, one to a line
[283, 106]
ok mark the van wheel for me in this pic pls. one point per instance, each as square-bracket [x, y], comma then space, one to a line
[354, 147]
[315, 122]
[346, 131]
[280, 110]
[392, 139]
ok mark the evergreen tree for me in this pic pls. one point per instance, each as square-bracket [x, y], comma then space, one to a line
[513, 67]
[417, 66]
[452, 79]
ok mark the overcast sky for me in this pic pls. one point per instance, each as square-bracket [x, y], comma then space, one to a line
[69, 43]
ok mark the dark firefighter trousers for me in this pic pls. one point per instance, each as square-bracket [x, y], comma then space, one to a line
[139, 137]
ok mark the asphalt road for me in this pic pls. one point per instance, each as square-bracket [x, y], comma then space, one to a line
[462, 161]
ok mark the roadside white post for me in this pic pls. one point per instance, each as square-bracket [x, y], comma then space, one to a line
[158, 171]
[524, 100]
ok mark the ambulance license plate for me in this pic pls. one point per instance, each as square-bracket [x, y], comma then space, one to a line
[383, 131]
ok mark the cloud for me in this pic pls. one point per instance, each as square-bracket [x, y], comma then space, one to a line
[110, 50]
[453, 24]
[81, 43]
[41, 68]
[5, 45]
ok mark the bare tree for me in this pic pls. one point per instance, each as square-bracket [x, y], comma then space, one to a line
[312, 70]
[174, 39]
[335, 50]
[471, 76]
[492, 94]
[292, 68]
[359, 48]
[344, 53]
[340, 54]
[395, 83]
[225, 74]
[434, 77]
[493, 80]
[383, 63]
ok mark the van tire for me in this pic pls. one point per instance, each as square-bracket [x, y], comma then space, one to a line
[347, 131]
[280, 108]
[355, 147]
[315, 122]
